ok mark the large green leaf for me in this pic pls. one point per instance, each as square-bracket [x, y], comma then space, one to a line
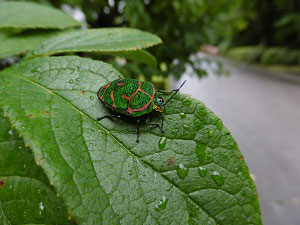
[11, 45]
[26, 196]
[26, 15]
[193, 173]
[98, 40]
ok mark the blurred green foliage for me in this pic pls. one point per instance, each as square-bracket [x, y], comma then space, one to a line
[275, 23]
[247, 53]
[266, 55]
[183, 25]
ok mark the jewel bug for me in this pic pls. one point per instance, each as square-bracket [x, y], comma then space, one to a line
[134, 98]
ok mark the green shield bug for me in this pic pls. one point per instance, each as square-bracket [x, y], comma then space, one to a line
[134, 98]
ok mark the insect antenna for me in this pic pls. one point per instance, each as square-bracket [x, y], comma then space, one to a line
[176, 91]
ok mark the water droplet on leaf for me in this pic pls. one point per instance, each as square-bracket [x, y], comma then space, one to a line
[182, 171]
[218, 178]
[162, 204]
[210, 133]
[77, 79]
[202, 171]
[71, 81]
[182, 115]
[200, 152]
[162, 142]
[187, 102]
[186, 127]
[92, 97]
[40, 212]
[173, 132]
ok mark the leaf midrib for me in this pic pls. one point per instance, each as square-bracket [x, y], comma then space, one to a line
[113, 137]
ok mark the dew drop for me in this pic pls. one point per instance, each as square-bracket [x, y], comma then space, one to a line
[40, 213]
[162, 143]
[162, 204]
[186, 127]
[218, 178]
[202, 171]
[221, 218]
[78, 83]
[210, 133]
[200, 152]
[92, 97]
[71, 81]
[182, 171]
[182, 115]
[130, 172]
[187, 102]
[77, 79]
[173, 132]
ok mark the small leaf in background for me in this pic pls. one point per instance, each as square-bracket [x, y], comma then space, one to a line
[26, 196]
[98, 40]
[27, 15]
[15, 44]
[103, 175]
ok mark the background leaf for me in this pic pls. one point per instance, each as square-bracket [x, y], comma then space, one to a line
[140, 56]
[26, 15]
[193, 173]
[15, 44]
[26, 196]
[98, 40]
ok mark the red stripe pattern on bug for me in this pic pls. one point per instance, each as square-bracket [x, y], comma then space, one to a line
[130, 97]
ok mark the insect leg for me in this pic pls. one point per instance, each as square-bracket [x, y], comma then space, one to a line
[159, 125]
[137, 131]
[162, 122]
[152, 123]
[109, 117]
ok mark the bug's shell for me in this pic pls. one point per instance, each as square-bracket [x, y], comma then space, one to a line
[128, 96]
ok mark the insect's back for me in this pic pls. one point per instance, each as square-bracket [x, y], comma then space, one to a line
[128, 96]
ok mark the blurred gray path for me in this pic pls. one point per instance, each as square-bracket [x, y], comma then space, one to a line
[262, 110]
